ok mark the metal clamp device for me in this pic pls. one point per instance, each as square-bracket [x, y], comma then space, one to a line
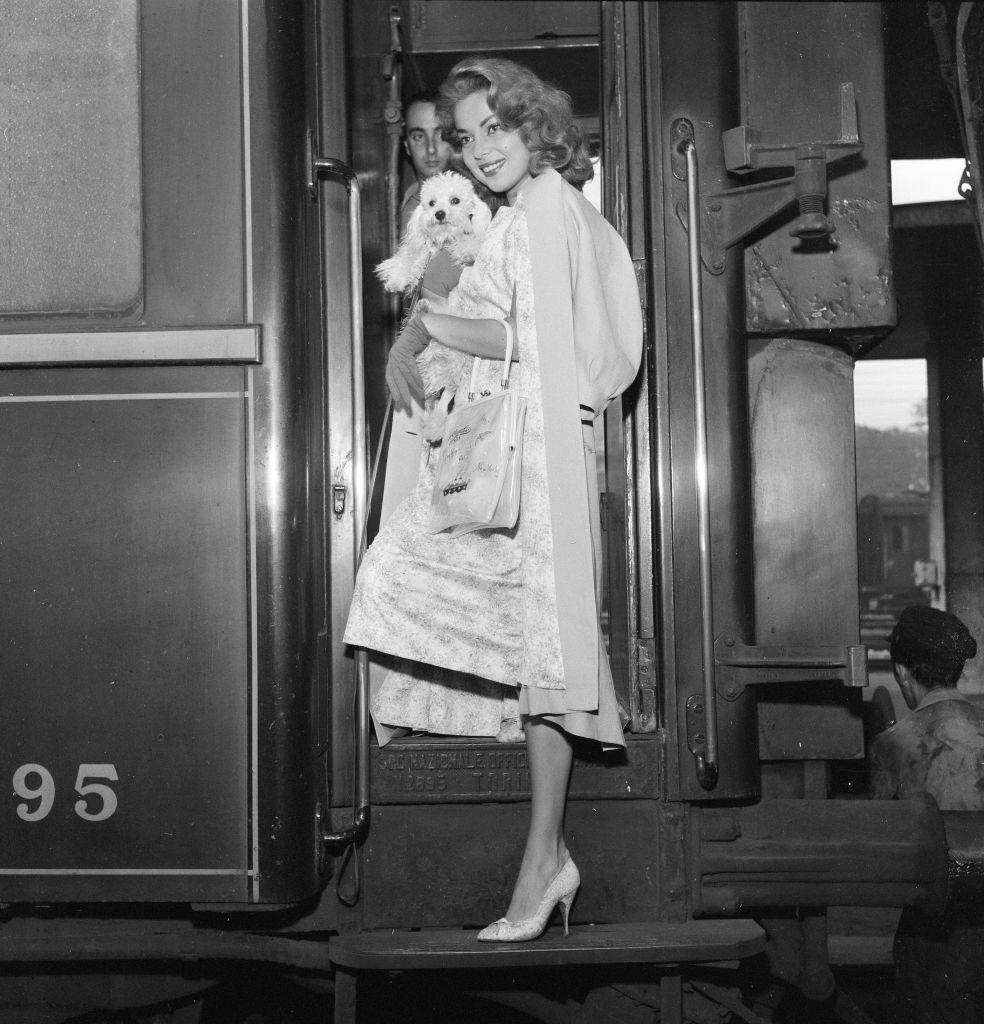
[737, 666]
[730, 215]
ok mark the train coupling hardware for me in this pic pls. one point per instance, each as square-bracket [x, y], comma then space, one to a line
[731, 215]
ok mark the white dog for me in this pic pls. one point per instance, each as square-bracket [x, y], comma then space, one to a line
[452, 217]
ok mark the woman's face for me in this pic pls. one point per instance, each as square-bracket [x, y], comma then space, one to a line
[496, 157]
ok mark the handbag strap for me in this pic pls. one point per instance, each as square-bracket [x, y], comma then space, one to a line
[477, 361]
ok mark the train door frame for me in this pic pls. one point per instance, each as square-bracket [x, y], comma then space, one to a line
[627, 514]
[427, 786]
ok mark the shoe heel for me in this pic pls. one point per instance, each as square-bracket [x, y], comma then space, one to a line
[565, 908]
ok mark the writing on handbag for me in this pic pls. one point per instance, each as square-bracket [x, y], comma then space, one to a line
[457, 434]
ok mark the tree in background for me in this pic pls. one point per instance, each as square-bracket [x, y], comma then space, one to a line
[893, 461]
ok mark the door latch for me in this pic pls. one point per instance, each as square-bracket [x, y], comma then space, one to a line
[338, 494]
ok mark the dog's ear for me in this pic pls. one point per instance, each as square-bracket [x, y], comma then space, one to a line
[405, 268]
[412, 235]
[481, 217]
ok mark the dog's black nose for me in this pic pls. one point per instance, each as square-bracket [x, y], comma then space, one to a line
[439, 215]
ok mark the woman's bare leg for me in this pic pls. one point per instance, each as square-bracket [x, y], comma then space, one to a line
[550, 756]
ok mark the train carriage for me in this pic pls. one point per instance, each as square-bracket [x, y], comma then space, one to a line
[192, 346]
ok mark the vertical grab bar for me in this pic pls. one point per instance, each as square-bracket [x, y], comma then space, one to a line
[330, 167]
[707, 763]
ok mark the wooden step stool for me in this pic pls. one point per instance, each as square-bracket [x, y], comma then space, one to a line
[671, 946]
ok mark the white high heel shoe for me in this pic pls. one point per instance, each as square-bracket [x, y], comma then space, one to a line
[562, 889]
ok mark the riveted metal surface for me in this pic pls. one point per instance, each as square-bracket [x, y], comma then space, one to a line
[794, 59]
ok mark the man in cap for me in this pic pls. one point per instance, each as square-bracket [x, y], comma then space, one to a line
[937, 749]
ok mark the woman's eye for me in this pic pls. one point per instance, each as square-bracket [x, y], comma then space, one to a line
[493, 127]
[455, 200]
[464, 140]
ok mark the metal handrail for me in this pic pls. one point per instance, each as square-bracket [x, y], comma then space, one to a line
[707, 763]
[330, 167]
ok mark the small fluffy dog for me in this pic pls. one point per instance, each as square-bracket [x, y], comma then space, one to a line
[450, 216]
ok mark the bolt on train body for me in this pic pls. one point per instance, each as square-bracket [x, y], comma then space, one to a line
[192, 347]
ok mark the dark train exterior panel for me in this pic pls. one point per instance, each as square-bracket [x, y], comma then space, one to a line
[124, 657]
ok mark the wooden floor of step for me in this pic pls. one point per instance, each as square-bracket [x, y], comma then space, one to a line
[671, 946]
[647, 942]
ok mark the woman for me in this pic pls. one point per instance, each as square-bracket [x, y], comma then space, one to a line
[519, 608]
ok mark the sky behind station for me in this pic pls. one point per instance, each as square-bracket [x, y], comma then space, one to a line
[887, 391]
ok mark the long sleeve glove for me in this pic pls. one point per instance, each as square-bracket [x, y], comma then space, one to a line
[402, 373]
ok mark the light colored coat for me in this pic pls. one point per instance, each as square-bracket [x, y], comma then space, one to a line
[597, 305]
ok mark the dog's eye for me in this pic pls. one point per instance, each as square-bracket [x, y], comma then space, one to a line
[455, 200]
[433, 202]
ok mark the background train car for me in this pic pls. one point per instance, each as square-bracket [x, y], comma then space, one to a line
[192, 344]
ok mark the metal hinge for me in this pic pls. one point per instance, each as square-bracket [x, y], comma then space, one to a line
[740, 665]
[641, 268]
[645, 712]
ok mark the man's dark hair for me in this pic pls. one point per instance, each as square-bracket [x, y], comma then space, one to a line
[932, 644]
[424, 96]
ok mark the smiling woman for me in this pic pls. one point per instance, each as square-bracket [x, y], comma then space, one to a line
[514, 614]
[498, 158]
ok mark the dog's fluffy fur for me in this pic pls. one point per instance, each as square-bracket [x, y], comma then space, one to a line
[450, 216]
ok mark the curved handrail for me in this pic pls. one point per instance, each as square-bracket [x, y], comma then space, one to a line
[330, 167]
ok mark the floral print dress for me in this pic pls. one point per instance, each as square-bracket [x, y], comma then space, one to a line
[467, 620]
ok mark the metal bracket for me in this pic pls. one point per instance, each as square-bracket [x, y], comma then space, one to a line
[731, 215]
[645, 669]
[707, 772]
[740, 665]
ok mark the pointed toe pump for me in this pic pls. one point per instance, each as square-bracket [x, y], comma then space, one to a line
[562, 889]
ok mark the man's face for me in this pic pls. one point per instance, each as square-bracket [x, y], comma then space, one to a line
[428, 152]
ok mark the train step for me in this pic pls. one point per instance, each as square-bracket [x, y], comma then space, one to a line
[675, 945]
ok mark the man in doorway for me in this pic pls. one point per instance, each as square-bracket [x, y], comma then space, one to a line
[428, 152]
[937, 749]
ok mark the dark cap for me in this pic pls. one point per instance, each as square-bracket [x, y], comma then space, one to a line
[928, 635]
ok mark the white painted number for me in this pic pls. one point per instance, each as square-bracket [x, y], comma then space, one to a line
[44, 791]
[84, 789]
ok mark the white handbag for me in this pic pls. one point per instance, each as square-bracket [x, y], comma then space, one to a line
[479, 471]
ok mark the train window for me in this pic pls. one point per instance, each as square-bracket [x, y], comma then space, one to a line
[70, 204]
[890, 397]
[123, 165]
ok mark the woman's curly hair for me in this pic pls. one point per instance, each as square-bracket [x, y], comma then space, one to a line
[541, 113]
